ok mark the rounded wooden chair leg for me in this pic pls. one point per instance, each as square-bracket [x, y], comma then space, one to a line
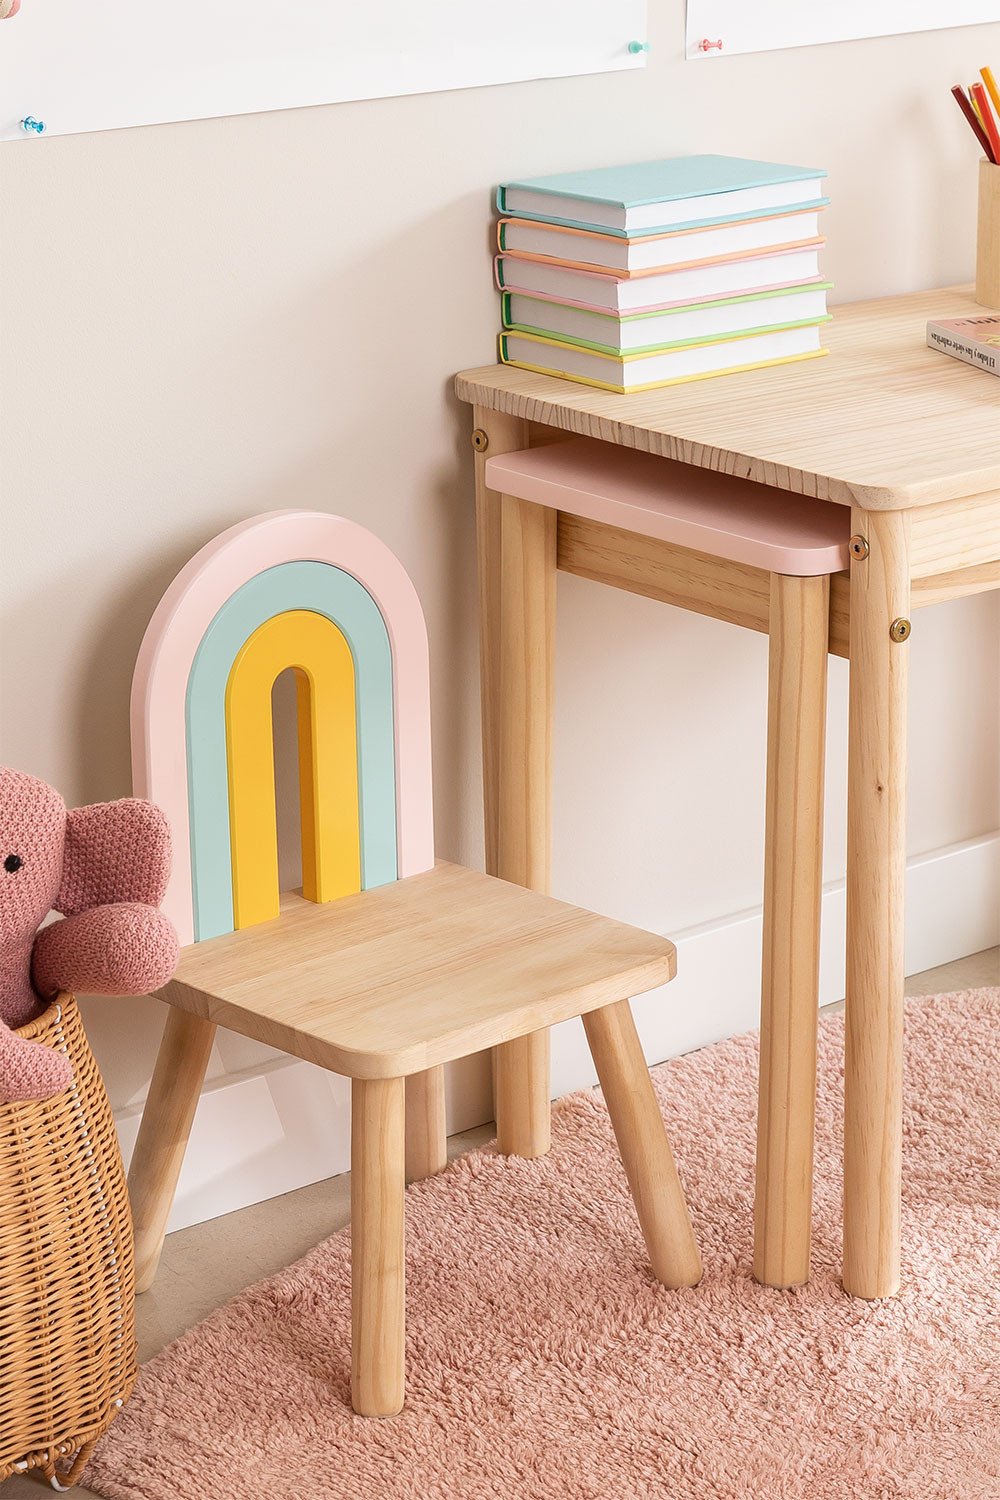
[163, 1134]
[521, 1096]
[378, 1293]
[642, 1141]
[426, 1131]
[793, 891]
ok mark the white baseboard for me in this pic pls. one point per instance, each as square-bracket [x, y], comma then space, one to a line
[272, 1129]
[265, 1132]
[952, 910]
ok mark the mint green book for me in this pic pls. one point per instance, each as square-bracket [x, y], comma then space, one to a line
[658, 197]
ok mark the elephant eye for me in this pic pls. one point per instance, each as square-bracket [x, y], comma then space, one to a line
[13, 863]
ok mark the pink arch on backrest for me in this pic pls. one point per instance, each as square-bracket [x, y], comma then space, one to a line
[172, 638]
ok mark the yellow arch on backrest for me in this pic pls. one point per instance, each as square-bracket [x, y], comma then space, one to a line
[328, 763]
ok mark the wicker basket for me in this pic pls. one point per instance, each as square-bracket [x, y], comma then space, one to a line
[67, 1276]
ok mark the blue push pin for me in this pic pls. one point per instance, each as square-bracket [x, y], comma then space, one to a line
[636, 47]
[32, 126]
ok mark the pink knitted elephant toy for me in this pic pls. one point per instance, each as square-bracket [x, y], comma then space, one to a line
[105, 867]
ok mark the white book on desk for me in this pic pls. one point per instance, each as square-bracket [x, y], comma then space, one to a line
[625, 373]
[636, 257]
[607, 292]
[630, 332]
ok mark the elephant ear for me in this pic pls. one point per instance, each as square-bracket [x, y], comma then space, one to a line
[115, 851]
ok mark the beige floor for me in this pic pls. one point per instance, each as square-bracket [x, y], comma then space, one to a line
[205, 1265]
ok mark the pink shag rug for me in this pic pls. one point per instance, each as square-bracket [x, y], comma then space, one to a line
[545, 1364]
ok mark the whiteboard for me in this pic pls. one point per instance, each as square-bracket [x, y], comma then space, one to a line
[766, 25]
[81, 66]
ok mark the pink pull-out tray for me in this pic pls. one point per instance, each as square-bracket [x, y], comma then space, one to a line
[717, 514]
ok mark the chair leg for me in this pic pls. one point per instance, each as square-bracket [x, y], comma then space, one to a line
[426, 1132]
[163, 1134]
[642, 1141]
[527, 645]
[377, 1249]
[521, 1095]
[793, 891]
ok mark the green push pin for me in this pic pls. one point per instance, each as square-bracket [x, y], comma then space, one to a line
[636, 47]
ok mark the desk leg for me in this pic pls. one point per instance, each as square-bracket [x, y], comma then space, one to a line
[876, 869]
[793, 890]
[502, 434]
[521, 1068]
[527, 638]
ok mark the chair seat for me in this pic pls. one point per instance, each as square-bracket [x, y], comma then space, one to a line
[718, 514]
[416, 973]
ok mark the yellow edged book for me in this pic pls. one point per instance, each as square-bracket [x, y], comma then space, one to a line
[671, 364]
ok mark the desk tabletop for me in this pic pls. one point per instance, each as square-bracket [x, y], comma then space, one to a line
[881, 421]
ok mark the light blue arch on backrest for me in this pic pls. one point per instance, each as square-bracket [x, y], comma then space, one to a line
[339, 596]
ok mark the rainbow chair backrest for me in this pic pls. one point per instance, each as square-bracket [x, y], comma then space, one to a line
[321, 595]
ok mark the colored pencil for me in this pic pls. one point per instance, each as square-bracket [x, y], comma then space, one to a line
[991, 88]
[982, 102]
[970, 114]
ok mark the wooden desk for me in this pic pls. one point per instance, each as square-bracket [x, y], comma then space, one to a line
[910, 440]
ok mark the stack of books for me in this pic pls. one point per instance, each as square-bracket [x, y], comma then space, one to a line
[629, 278]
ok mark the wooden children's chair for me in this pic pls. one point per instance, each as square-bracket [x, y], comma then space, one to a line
[725, 532]
[388, 965]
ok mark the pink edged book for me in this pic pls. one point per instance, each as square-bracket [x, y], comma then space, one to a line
[607, 291]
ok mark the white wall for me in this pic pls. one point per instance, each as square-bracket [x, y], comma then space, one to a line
[206, 320]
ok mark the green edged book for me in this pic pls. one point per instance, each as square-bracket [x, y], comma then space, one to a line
[665, 328]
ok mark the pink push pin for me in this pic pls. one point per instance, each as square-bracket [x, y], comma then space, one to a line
[706, 46]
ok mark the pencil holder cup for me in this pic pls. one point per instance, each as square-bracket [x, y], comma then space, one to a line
[988, 237]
